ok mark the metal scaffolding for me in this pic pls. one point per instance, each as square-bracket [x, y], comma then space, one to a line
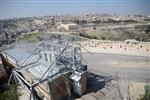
[48, 60]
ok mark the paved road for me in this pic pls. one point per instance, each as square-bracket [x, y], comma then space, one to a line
[132, 67]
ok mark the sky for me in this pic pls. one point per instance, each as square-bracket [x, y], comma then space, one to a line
[27, 8]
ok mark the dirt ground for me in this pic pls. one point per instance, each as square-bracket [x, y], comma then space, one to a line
[97, 46]
[137, 89]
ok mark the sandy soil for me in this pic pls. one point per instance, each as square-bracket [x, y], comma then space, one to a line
[137, 89]
[98, 46]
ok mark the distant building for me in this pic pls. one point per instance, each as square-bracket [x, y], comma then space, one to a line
[67, 27]
[53, 22]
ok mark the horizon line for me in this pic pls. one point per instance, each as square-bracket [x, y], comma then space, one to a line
[57, 1]
[70, 14]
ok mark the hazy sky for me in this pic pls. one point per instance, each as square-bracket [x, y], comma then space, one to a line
[23, 8]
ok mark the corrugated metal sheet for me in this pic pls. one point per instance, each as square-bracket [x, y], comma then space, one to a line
[20, 56]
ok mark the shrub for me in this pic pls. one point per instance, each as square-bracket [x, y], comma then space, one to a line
[10, 93]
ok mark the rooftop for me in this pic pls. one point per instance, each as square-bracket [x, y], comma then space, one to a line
[41, 57]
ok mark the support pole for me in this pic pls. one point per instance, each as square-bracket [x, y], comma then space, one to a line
[22, 78]
[9, 79]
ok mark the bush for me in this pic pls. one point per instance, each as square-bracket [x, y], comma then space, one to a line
[116, 35]
[10, 93]
[146, 96]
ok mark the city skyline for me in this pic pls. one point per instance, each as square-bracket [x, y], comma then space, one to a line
[30, 8]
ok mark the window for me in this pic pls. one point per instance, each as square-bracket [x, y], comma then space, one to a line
[45, 56]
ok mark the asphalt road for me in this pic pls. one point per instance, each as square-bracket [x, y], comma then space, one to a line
[135, 68]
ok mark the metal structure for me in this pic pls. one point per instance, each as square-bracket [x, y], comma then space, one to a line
[47, 63]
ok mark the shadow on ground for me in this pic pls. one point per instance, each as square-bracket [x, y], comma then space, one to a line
[96, 82]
